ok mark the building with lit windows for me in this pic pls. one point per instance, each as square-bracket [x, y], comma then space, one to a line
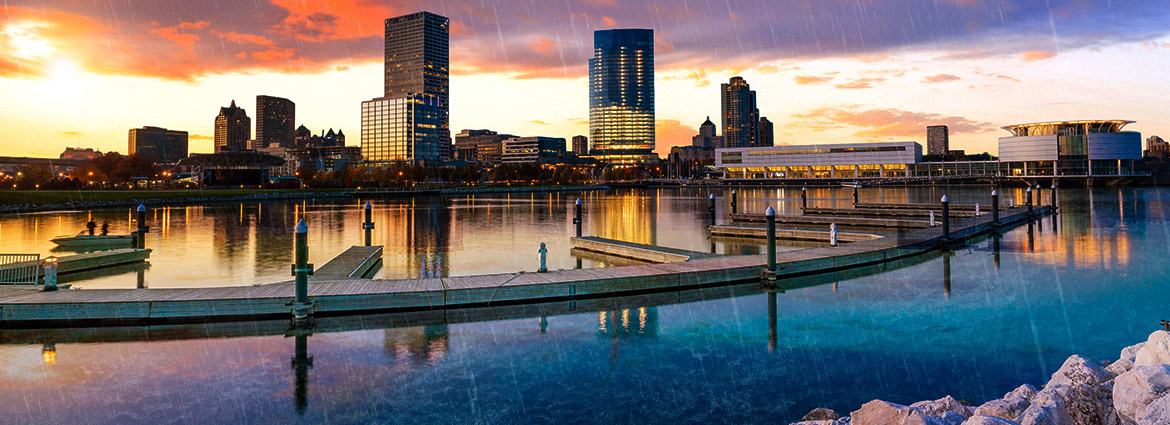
[741, 117]
[938, 140]
[401, 129]
[531, 149]
[233, 129]
[1070, 148]
[418, 61]
[275, 122]
[621, 97]
[580, 145]
[829, 161]
[159, 144]
[706, 138]
[480, 146]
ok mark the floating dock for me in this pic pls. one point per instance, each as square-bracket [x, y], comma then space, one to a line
[797, 220]
[106, 307]
[884, 213]
[635, 251]
[88, 261]
[789, 234]
[357, 262]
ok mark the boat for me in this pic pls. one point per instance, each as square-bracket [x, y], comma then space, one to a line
[85, 240]
[852, 184]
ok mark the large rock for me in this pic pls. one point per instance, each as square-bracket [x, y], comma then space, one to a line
[988, 420]
[941, 406]
[821, 414]
[1026, 392]
[1009, 407]
[1080, 393]
[1134, 390]
[879, 412]
[823, 422]
[1155, 351]
[1157, 413]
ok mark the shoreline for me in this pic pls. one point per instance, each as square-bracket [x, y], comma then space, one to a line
[212, 197]
[1134, 389]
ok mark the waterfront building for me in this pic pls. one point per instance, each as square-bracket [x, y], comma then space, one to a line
[275, 119]
[481, 146]
[82, 154]
[233, 128]
[706, 137]
[521, 150]
[741, 118]
[401, 129]
[580, 145]
[159, 144]
[938, 140]
[767, 137]
[1156, 147]
[1070, 148]
[621, 97]
[837, 161]
[418, 62]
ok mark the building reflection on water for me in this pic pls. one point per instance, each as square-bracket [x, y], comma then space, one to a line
[625, 216]
[417, 345]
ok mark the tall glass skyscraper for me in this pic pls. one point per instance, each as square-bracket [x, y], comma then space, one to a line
[400, 129]
[741, 118]
[275, 121]
[621, 96]
[417, 62]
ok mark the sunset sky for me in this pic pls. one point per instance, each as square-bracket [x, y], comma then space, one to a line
[82, 72]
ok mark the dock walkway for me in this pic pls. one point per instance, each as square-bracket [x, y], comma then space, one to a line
[636, 251]
[106, 307]
[789, 234]
[89, 261]
[827, 220]
[357, 262]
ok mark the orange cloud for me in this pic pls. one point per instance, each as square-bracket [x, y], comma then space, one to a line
[199, 137]
[885, 123]
[671, 132]
[238, 38]
[321, 20]
[811, 79]
[273, 54]
[459, 29]
[608, 22]
[185, 40]
[860, 83]
[543, 46]
[941, 78]
[1036, 55]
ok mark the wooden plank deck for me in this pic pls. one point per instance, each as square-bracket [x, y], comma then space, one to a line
[635, 251]
[840, 221]
[105, 307]
[357, 262]
[954, 207]
[789, 234]
[89, 261]
[885, 213]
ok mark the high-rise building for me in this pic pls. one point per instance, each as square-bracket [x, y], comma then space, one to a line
[767, 137]
[233, 128]
[938, 140]
[707, 137]
[401, 129]
[621, 96]
[580, 145]
[158, 144]
[275, 121]
[417, 62]
[741, 118]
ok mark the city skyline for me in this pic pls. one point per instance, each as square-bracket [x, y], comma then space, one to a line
[1007, 63]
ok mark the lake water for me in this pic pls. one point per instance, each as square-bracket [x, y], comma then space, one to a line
[1089, 281]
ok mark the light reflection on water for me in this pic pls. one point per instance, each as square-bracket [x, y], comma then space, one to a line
[1088, 281]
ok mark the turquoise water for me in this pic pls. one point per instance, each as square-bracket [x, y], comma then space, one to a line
[1089, 281]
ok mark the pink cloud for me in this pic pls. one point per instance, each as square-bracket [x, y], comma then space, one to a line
[941, 78]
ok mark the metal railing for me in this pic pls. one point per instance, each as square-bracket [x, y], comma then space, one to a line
[20, 269]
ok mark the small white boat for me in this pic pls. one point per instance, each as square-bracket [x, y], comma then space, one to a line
[852, 184]
[85, 240]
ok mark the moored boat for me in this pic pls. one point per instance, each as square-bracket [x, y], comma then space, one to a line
[84, 240]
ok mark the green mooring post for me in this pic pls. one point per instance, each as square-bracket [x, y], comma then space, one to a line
[368, 225]
[1028, 200]
[1052, 197]
[302, 308]
[577, 217]
[946, 219]
[140, 241]
[770, 213]
[994, 208]
[734, 209]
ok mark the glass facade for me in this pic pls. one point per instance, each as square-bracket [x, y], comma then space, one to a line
[418, 61]
[741, 118]
[275, 121]
[158, 144]
[621, 96]
[402, 129]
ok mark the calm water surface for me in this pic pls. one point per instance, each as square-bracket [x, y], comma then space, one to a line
[1088, 281]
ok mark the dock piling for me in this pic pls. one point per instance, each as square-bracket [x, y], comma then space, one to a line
[994, 208]
[734, 209]
[368, 225]
[1028, 200]
[50, 274]
[1052, 197]
[771, 214]
[977, 209]
[856, 196]
[577, 217]
[833, 234]
[803, 198]
[302, 308]
[946, 219]
[1039, 195]
[542, 254]
[711, 208]
[932, 223]
[140, 241]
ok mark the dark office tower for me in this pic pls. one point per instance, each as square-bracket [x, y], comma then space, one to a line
[707, 138]
[233, 128]
[741, 118]
[417, 59]
[275, 118]
[580, 145]
[158, 144]
[766, 137]
[621, 96]
[938, 140]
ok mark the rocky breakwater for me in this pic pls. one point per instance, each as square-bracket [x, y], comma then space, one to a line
[1134, 390]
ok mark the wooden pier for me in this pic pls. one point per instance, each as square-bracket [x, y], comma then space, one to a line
[799, 220]
[884, 213]
[635, 251]
[789, 234]
[90, 261]
[104, 307]
[357, 262]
